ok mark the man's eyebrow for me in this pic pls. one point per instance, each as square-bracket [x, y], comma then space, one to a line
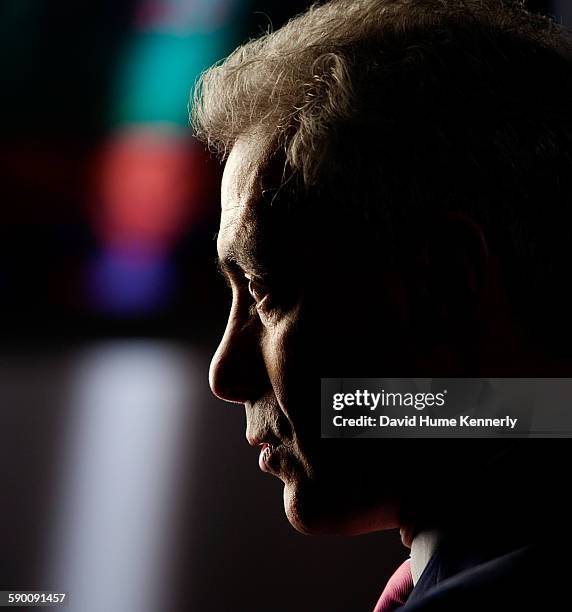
[227, 268]
[236, 265]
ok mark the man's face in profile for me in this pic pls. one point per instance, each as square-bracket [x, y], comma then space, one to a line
[294, 311]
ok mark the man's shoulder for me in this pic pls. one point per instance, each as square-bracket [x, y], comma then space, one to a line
[527, 577]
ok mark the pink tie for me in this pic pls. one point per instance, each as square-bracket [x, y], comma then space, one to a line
[397, 589]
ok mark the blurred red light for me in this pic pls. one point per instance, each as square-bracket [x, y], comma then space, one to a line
[147, 188]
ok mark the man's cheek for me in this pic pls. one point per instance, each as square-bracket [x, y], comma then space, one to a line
[281, 348]
[287, 368]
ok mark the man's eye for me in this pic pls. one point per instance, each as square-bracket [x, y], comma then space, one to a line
[257, 290]
[263, 303]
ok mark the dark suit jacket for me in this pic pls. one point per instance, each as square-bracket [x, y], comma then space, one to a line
[530, 577]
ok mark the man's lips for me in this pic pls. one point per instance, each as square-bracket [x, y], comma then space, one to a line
[268, 444]
[264, 457]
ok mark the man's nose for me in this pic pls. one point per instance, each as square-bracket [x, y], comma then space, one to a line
[237, 372]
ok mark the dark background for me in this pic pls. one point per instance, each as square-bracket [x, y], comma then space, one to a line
[123, 480]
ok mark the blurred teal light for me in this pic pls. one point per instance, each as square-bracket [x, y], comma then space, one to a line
[160, 63]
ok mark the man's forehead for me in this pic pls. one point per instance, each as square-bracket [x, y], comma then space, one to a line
[244, 172]
[241, 191]
[259, 213]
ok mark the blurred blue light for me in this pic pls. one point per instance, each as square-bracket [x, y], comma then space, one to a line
[127, 281]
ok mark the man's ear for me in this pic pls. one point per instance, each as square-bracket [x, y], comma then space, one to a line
[454, 260]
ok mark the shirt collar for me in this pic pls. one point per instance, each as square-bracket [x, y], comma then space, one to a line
[422, 548]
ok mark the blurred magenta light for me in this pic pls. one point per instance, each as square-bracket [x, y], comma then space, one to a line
[183, 16]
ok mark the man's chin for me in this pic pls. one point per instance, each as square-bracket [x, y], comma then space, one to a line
[297, 512]
[313, 511]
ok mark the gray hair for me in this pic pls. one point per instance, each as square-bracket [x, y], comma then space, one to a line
[299, 84]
